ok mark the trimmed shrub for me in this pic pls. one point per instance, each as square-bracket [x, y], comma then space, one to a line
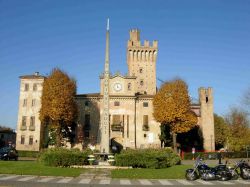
[33, 154]
[239, 154]
[61, 157]
[214, 155]
[147, 158]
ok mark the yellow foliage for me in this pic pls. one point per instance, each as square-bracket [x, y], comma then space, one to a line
[58, 102]
[172, 106]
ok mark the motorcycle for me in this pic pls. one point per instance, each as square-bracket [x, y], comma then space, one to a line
[203, 171]
[244, 170]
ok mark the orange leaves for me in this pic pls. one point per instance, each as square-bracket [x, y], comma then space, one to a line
[172, 106]
[185, 123]
[58, 102]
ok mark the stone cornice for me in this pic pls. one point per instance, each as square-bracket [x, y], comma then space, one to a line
[32, 77]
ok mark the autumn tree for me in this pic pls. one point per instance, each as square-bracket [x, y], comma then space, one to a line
[238, 128]
[165, 136]
[59, 109]
[172, 108]
[221, 131]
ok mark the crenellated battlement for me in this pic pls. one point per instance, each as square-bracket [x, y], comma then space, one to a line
[146, 44]
[134, 35]
[155, 44]
[134, 40]
[206, 95]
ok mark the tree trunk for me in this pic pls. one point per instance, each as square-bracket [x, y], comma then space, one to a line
[174, 142]
[58, 134]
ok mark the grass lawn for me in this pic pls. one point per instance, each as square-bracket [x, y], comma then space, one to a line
[35, 168]
[174, 172]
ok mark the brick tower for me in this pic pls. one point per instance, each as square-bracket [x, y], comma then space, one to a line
[141, 61]
[207, 117]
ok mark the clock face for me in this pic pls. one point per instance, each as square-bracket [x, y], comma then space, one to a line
[117, 86]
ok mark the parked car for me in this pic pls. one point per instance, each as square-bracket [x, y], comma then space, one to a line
[8, 153]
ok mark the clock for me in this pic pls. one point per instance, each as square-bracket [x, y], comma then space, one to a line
[117, 86]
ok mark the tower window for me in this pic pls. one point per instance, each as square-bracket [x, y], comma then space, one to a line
[141, 82]
[140, 70]
[32, 121]
[24, 121]
[87, 125]
[116, 103]
[86, 103]
[129, 86]
[33, 102]
[31, 140]
[34, 87]
[145, 119]
[145, 104]
[87, 122]
[116, 120]
[26, 87]
[22, 139]
[206, 99]
[145, 126]
[24, 102]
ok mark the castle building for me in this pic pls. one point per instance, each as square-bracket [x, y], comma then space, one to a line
[130, 105]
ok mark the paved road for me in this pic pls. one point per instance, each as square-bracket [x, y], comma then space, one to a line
[36, 181]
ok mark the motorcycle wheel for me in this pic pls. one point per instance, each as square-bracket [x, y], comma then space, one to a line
[245, 177]
[234, 174]
[224, 176]
[191, 176]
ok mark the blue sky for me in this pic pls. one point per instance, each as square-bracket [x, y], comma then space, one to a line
[207, 43]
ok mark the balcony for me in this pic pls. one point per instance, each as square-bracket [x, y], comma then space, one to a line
[117, 127]
[23, 127]
[145, 128]
[32, 128]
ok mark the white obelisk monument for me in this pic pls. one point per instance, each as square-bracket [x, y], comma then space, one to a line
[104, 144]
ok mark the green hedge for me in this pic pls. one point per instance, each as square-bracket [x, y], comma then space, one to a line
[214, 155]
[33, 154]
[147, 158]
[61, 157]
